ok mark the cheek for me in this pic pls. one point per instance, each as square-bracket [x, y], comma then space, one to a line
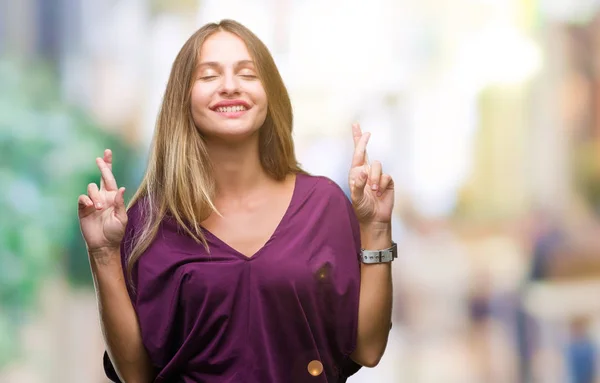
[260, 97]
[200, 99]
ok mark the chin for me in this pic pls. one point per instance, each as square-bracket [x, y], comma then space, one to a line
[232, 131]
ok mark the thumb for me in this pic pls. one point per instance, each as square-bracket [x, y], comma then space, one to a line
[357, 188]
[120, 210]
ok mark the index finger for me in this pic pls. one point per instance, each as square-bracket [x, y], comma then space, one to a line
[356, 133]
[108, 160]
[109, 182]
[360, 152]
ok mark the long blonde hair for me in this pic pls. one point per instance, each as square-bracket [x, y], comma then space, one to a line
[178, 181]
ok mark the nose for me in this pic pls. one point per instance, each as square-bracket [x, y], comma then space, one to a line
[230, 84]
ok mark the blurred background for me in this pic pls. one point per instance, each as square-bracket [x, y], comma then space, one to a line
[486, 112]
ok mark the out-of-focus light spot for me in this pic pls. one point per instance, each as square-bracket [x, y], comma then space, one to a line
[500, 54]
[315, 368]
[322, 274]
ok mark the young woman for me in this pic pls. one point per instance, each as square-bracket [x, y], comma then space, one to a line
[231, 264]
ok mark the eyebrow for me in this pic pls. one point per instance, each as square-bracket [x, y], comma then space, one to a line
[216, 64]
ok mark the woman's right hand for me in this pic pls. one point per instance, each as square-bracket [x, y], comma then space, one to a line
[102, 213]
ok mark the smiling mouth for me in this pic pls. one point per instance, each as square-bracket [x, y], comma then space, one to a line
[231, 109]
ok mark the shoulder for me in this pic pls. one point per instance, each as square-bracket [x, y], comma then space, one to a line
[322, 186]
[324, 199]
[323, 193]
[137, 210]
[136, 213]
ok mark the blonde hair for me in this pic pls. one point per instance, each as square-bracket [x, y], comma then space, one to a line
[178, 181]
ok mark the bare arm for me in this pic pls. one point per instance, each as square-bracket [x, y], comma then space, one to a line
[372, 194]
[103, 219]
[375, 306]
[118, 319]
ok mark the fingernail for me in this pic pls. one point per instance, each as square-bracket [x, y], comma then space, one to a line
[99, 205]
[374, 186]
[379, 194]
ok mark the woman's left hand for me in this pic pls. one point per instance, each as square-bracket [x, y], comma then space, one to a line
[371, 190]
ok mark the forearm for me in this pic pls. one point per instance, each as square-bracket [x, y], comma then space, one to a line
[118, 320]
[375, 305]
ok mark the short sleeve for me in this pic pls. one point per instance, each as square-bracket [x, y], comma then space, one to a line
[343, 236]
[348, 366]
[354, 225]
[126, 247]
[155, 293]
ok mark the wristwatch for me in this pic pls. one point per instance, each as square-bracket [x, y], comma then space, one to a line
[379, 256]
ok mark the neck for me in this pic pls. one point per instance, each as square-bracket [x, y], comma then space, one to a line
[237, 168]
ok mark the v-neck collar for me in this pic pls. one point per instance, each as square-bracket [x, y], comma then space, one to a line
[280, 225]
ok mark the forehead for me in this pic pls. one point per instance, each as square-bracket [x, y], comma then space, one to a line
[224, 47]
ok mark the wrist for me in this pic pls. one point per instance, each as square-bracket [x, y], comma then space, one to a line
[105, 255]
[376, 235]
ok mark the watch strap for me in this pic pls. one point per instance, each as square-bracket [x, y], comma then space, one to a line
[380, 256]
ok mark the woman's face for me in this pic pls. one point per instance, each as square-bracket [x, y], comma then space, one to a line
[228, 99]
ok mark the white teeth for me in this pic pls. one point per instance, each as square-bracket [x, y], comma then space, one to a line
[229, 109]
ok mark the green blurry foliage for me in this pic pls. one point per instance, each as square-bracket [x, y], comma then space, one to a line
[47, 158]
